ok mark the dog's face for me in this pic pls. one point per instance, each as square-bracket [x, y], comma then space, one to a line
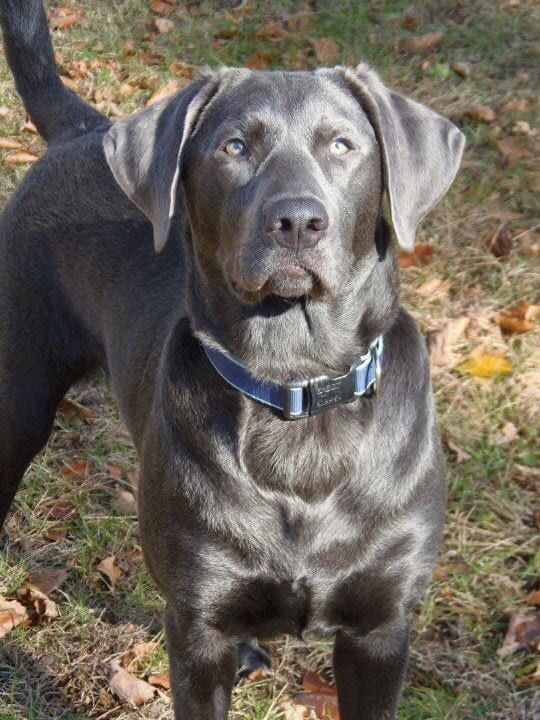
[282, 183]
[282, 173]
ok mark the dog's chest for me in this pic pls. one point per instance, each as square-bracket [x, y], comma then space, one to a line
[306, 458]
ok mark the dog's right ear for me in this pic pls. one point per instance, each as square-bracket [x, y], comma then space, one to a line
[144, 152]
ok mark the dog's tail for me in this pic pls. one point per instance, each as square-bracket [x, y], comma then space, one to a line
[56, 111]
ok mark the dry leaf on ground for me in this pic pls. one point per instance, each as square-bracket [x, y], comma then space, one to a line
[461, 455]
[422, 254]
[518, 318]
[485, 365]
[523, 633]
[440, 343]
[481, 113]
[273, 31]
[433, 288]
[60, 511]
[424, 43]
[21, 158]
[128, 688]
[47, 580]
[260, 59]
[56, 533]
[160, 680]
[327, 51]
[62, 18]
[501, 242]
[163, 25]
[71, 410]
[76, 468]
[325, 707]
[8, 144]
[507, 434]
[462, 69]
[512, 148]
[110, 569]
[133, 657]
[300, 21]
[12, 613]
[162, 7]
[165, 91]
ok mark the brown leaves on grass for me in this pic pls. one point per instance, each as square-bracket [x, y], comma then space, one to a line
[422, 254]
[62, 18]
[165, 91]
[160, 680]
[162, 7]
[317, 701]
[327, 51]
[128, 688]
[501, 242]
[441, 343]
[260, 59]
[273, 31]
[512, 148]
[21, 158]
[300, 21]
[8, 144]
[163, 25]
[132, 658]
[72, 410]
[481, 113]
[523, 633]
[110, 569]
[518, 318]
[12, 613]
[424, 43]
[76, 468]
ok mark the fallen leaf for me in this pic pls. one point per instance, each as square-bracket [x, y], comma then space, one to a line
[325, 706]
[124, 502]
[522, 127]
[12, 613]
[151, 58]
[70, 83]
[7, 144]
[39, 605]
[534, 598]
[76, 468]
[433, 287]
[47, 580]
[440, 343]
[260, 59]
[57, 533]
[128, 688]
[29, 127]
[511, 149]
[60, 511]
[21, 158]
[163, 25]
[482, 364]
[501, 242]
[162, 7]
[62, 18]
[110, 569]
[518, 318]
[327, 51]
[126, 89]
[165, 91]
[523, 633]
[424, 43]
[182, 69]
[422, 254]
[516, 104]
[115, 470]
[160, 680]
[300, 21]
[78, 69]
[133, 657]
[461, 455]
[261, 673]
[71, 410]
[314, 683]
[462, 69]
[507, 434]
[273, 31]
[481, 113]
[410, 18]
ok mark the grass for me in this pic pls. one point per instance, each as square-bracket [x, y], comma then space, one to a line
[488, 563]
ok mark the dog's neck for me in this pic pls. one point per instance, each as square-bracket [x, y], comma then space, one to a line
[282, 340]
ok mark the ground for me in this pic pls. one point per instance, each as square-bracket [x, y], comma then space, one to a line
[71, 513]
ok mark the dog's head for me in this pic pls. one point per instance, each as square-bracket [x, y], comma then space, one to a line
[282, 173]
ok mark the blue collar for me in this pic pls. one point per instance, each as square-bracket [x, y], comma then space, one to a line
[306, 397]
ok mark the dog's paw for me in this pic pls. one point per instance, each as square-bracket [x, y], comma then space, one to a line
[250, 658]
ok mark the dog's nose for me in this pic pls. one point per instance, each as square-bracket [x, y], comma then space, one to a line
[296, 223]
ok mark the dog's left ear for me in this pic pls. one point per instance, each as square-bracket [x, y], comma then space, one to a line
[420, 149]
[144, 152]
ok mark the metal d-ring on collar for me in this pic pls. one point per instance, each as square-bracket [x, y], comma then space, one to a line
[304, 398]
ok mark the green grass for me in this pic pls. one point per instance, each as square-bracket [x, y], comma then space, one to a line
[490, 558]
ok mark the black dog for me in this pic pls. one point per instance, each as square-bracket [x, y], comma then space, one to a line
[263, 192]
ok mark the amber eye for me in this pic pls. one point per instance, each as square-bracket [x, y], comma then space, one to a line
[235, 147]
[339, 146]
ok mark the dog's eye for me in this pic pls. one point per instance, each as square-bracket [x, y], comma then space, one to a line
[235, 147]
[339, 146]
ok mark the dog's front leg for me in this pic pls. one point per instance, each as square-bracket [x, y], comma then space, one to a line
[202, 668]
[369, 672]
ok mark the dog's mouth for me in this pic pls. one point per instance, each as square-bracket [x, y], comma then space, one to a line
[291, 282]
